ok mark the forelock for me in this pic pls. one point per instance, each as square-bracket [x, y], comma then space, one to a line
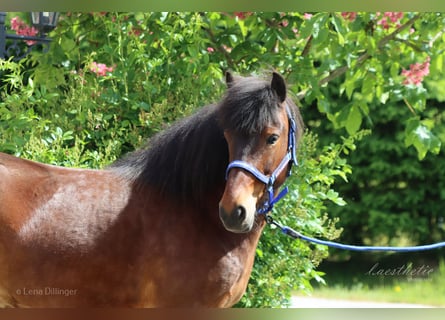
[250, 104]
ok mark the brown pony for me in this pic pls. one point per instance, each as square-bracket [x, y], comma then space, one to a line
[162, 227]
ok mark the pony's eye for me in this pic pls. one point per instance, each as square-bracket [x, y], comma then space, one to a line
[272, 139]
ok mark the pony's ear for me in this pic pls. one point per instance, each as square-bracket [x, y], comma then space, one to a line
[229, 79]
[279, 85]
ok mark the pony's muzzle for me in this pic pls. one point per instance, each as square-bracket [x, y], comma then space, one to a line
[235, 220]
[237, 208]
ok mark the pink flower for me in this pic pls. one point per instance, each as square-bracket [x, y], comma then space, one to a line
[416, 72]
[349, 15]
[285, 23]
[394, 17]
[210, 50]
[22, 29]
[389, 19]
[242, 15]
[135, 32]
[100, 69]
[307, 16]
[16, 23]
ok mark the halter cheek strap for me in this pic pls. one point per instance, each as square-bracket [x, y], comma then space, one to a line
[269, 181]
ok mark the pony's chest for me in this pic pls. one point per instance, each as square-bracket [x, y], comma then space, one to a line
[232, 276]
[206, 276]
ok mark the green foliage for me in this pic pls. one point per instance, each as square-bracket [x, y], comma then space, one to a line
[366, 64]
[393, 199]
[111, 80]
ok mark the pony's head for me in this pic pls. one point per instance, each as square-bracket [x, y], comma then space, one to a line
[261, 126]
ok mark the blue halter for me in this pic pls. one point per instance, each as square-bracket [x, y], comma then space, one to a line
[269, 181]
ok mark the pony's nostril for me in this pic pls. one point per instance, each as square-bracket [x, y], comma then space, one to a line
[240, 213]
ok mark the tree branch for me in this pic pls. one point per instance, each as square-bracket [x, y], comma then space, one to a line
[409, 106]
[307, 47]
[365, 56]
[409, 44]
[404, 26]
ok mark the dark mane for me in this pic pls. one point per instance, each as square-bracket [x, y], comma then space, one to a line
[189, 159]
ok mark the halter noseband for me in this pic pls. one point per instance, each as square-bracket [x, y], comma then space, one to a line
[269, 181]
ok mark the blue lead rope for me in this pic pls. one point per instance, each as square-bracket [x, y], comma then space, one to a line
[297, 235]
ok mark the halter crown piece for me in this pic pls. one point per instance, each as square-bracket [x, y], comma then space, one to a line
[289, 159]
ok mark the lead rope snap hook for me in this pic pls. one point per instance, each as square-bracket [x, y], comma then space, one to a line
[269, 219]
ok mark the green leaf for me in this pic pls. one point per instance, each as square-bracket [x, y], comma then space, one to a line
[354, 120]
[67, 44]
[323, 105]
[242, 27]
[338, 24]
[334, 197]
[316, 27]
[420, 136]
[438, 63]
[350, 86]
[308, 28]
[384, 97]
[193, 50]
[322, 36]
[368, 88]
